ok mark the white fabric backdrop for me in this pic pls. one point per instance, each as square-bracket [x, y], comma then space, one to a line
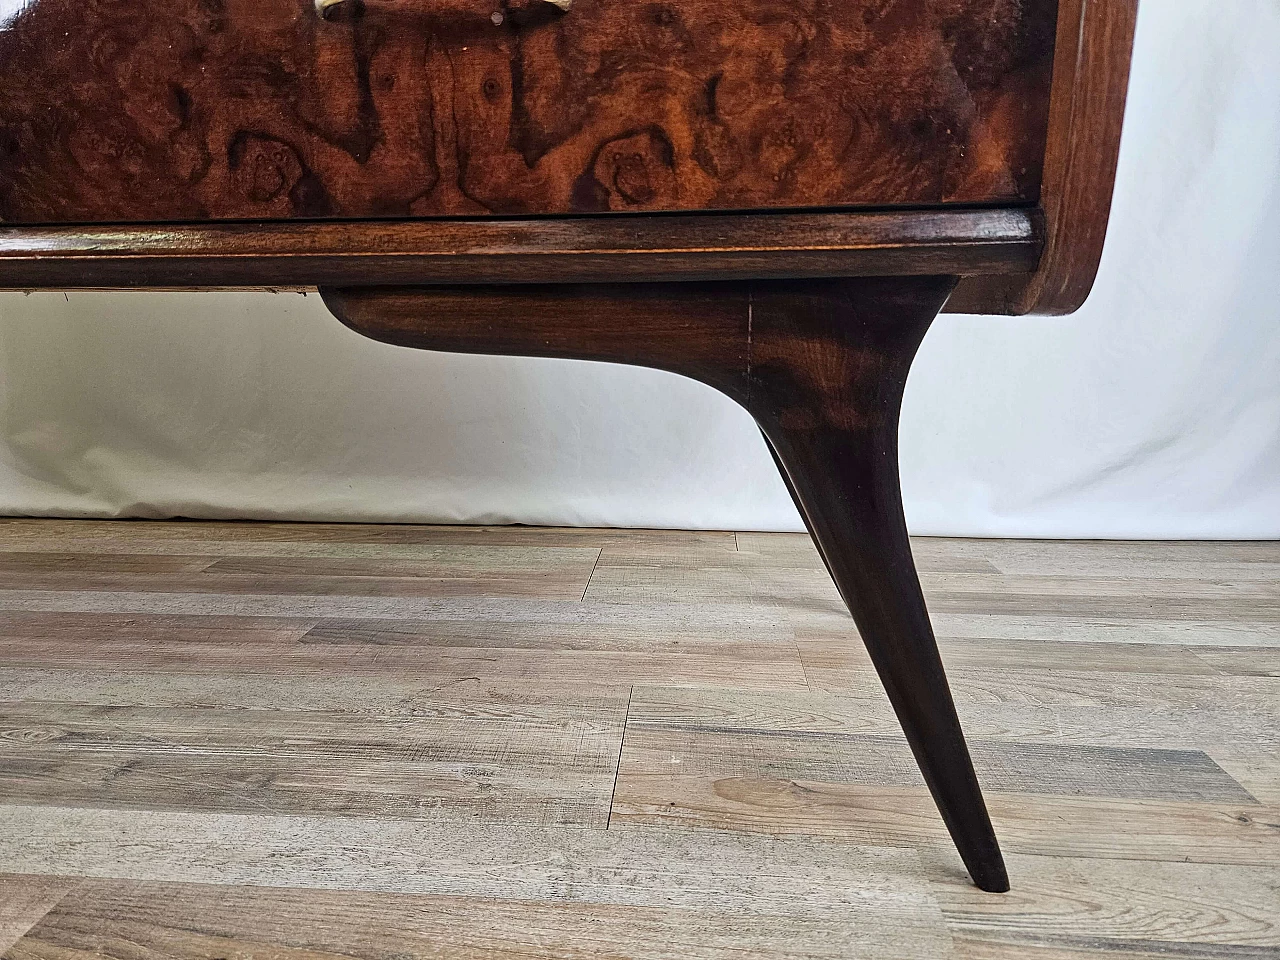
[1154, 412]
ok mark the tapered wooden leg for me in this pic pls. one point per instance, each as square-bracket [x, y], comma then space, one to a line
[829, 366]
[821, 365]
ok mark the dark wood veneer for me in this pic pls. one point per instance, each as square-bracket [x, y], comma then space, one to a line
[512, 251]
[182, 110]
[1090, 83]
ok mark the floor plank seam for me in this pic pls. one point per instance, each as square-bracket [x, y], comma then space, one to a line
[11, 933]
[617, 770]
[804, 667]
[592, 573]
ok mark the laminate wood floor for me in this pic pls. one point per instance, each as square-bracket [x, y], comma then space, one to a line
[232, 741]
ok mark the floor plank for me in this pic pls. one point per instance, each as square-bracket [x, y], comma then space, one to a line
[233, 739]
[16, 531]
[772, 668]
[198, 921]
[481, 761]
[562, 584]
[878, 894]
[99, 627]
[701, 750]
[1088, 906]
[1084, 708]
[1104, 829]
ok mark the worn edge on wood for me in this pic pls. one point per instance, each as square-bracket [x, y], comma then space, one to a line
[547, 250]
[1086, 114]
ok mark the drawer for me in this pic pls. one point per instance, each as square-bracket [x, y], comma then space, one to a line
[189, 110]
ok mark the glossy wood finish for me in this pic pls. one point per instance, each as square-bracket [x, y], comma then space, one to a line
[821, 365]
[828, 372]
[1090, 83]
[1085, 111]
[505, 251]
[192, 110]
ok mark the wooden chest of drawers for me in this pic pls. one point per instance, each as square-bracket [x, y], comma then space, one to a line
[773, 198]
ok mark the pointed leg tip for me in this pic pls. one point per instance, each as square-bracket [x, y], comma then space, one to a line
[992, 880]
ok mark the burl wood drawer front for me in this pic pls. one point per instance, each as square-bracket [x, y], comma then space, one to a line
[150, 110]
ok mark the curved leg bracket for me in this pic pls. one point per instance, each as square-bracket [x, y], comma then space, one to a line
[821, 365]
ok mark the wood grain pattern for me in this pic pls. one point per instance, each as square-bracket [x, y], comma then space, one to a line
[719, 752]
[768, 662]
[476, 761]
[1104, 906]
[1038, 704]
[218, 536]
[265, 111]
[1090, 84]
[635, 866]
[1142, 564]
[149, 737]
[196, 922]
[568, 584]
[1097, 828]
